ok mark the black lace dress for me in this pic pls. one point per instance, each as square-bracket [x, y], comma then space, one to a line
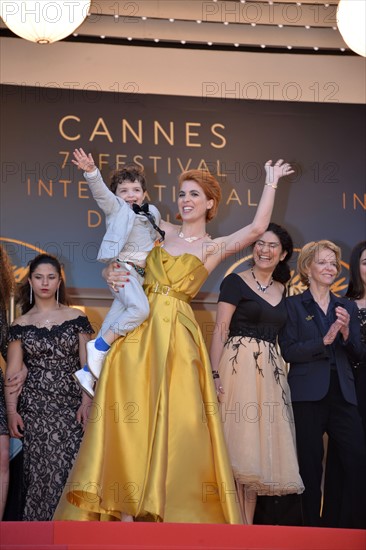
[48, 405]
[3, 345]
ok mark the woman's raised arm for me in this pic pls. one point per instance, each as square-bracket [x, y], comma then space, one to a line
[226, 246]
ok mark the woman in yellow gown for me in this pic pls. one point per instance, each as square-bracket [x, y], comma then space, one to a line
[154, 447]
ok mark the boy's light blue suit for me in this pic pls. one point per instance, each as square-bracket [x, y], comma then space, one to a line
[130, 305]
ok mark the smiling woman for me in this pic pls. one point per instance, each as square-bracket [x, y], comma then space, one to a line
[249, 371]
[172, 456]
[320, 340]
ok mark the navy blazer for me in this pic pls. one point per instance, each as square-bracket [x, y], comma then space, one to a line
[301, 342]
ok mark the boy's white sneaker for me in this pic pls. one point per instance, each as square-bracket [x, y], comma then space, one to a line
[85, 380]
[95, 358]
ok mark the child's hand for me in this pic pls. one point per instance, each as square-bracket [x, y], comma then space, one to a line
[83, 161]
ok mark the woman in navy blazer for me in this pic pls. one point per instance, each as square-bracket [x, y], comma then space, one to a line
[320, 339]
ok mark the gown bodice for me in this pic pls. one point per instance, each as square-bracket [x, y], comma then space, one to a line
[184, 273]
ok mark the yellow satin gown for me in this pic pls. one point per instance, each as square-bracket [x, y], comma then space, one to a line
[154, 446]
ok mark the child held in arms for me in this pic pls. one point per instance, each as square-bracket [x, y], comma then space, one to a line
[132, 230]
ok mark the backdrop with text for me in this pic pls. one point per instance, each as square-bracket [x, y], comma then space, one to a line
[46, 204]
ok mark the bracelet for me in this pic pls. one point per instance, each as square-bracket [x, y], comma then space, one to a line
[271, 185]
[215, 374]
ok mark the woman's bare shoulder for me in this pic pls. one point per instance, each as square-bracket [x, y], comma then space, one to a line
[169, 227]
[21, 320]
[72, 313]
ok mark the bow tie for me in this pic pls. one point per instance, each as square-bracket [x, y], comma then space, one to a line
[144, 211]
[143, 208]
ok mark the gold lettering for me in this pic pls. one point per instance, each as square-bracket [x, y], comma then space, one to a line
[42, 185]
[101, 159]
[126, 125]
[357, 199]
[98, 218]
[233, 197]
[222, 138]
[103, 132]
[62, 131]
[250, 203]
[83, 187]
[344, 200]
[202, 165]
[28, 186]
[169, 165]
[154, 159]
[65, 184]
[159, 188]
[119, 161]
[66, 154]
[218, 169]
[158, 128]
[190, 134]
[184, 168]
[137, 159]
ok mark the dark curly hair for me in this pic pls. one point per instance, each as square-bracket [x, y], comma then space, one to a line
[130, 172]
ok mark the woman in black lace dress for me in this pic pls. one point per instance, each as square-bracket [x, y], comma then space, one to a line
[250, 375]
[50, 338]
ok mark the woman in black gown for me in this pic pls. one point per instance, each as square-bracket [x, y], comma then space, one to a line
[50, 338]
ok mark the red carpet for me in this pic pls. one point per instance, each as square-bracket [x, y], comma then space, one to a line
[169, 536]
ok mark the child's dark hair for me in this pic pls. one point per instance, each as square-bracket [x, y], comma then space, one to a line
[130, 172]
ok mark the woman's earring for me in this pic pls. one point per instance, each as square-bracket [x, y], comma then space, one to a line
[57, 294]
[30, 293]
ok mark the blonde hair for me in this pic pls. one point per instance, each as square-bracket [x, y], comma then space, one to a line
[307, 255]
[209, 185]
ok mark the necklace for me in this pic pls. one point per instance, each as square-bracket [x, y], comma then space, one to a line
[49, 321]
[261, 288]
[190, 239]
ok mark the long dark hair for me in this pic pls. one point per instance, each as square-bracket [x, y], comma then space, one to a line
[355, 289]
[24, 290]
[282, 272]
[7, 280]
